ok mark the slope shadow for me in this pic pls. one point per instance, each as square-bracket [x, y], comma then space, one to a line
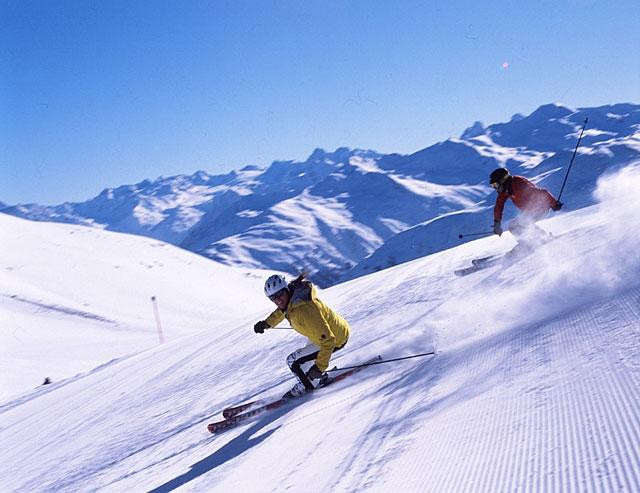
[230, 450]
[399, 426]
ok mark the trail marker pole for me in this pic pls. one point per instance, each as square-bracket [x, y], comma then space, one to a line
[156, 314]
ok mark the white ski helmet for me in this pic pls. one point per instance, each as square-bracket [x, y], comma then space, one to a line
[274, 284]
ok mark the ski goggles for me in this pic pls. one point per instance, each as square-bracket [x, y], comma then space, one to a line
[278, 294]
[496, 184]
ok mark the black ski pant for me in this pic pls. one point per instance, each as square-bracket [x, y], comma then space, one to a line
[299, 360]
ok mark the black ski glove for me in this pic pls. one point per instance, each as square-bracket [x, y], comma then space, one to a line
[558, 206]
[314, 373]
[497, 228]
[260, 327]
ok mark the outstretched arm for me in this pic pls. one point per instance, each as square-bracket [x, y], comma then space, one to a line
[275, 318]
[498, 209]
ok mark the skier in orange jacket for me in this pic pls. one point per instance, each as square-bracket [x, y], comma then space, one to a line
[533, 201]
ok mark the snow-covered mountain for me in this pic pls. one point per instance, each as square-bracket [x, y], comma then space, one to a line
[344, 213]
[535, 386]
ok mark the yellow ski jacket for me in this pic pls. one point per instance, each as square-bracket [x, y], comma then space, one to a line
[313, 319]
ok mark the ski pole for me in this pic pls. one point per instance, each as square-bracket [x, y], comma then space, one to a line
[572, 158]
[475, 234]
[382, 361]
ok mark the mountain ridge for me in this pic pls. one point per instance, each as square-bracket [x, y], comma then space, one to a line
[334, 210]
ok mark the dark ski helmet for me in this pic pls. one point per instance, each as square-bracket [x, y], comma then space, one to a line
[274, 284]
[498, 176]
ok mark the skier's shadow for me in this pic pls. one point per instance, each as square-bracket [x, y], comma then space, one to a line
[234, 448]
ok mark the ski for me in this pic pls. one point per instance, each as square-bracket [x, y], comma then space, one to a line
[482, 260]
[512, 256]
[243, 412]
[478, 264]
[231, 411]
[236, 419]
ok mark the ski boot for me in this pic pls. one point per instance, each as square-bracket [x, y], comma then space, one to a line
[296, 391]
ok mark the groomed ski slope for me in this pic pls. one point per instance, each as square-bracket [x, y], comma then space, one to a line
[536, 385]
[74, 297]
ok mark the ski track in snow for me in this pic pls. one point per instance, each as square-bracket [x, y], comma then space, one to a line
[549, 439]
[61, 309]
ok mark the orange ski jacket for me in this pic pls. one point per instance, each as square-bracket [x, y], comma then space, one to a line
[527, 197]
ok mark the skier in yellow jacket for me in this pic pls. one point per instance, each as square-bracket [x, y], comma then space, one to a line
[325, 330]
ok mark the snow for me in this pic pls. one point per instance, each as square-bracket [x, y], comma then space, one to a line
[248, 213]
[365, 165]
[81, 296]
[615, 116]
[503, 155]
[455, 194]
[315, 226]
[535, 387]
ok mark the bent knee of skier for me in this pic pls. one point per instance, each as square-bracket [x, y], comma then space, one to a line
[291, 359]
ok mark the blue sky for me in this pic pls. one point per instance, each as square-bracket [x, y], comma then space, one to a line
[97, 94]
